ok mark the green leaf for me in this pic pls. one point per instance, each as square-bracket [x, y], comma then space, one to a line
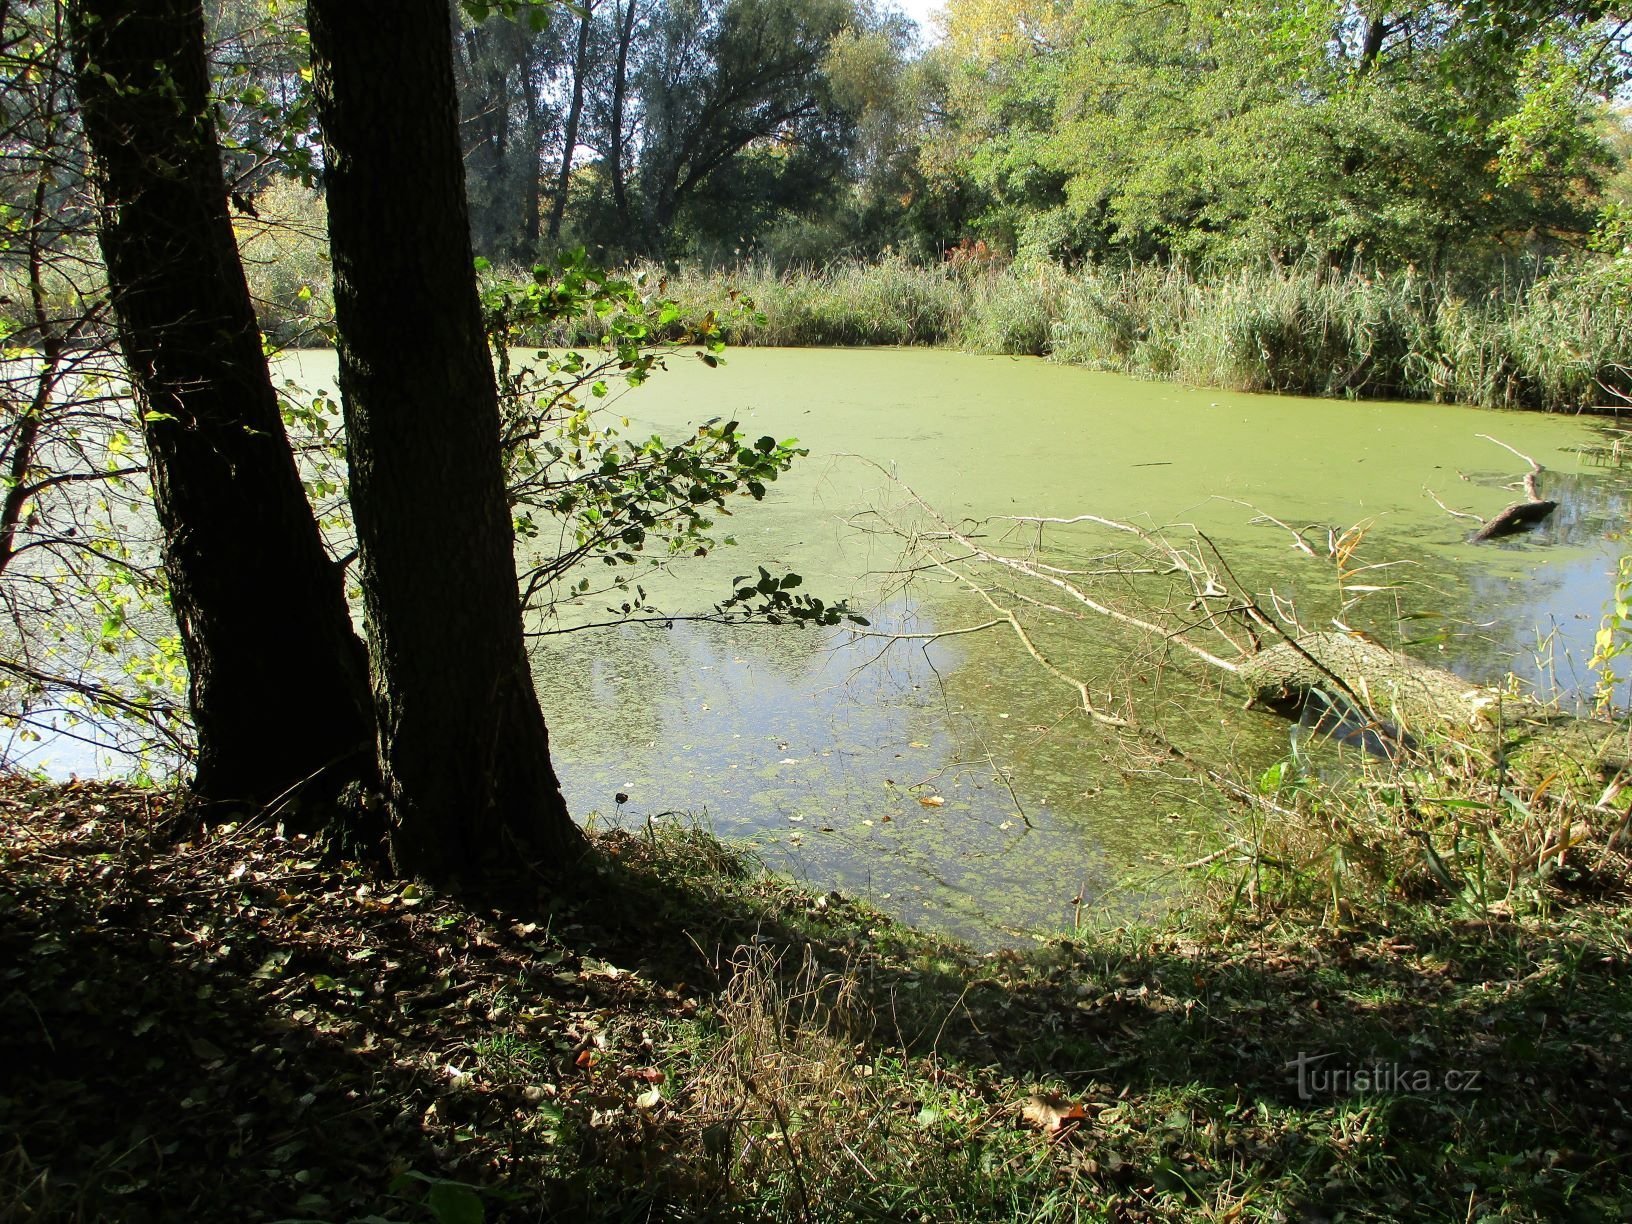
[452, 1203]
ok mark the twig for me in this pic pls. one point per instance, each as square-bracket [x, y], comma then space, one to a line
[1534, 466]
[1454, 513]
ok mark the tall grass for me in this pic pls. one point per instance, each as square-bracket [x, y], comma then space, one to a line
[1559, 341]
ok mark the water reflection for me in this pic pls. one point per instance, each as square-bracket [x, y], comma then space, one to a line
[1537, 618]
[819, 747]
[930, 778]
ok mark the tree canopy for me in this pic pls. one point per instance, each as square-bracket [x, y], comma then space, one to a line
[1264, 132]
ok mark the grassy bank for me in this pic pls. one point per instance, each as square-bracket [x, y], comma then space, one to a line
[239, 1029]
[1560, 343]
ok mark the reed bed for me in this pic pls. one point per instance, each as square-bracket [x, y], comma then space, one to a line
[1556, 340]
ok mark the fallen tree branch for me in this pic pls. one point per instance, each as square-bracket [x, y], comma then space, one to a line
[1520, 516]
[1172, 591]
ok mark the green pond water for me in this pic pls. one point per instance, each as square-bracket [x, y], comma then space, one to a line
[818, 746]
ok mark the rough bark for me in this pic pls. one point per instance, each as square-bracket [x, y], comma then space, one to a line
[462, 744]
[1402, 697]
[278, 678]
[575, 111]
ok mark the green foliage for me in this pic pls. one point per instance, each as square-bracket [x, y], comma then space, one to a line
[537, 12]
[768, 599]
[88, 649]
[261, 82]
[630, 503]
[1613, 642]
[1423, 134]
[1013, 311]
[1556, 341]
[284, 246]
[893, 301]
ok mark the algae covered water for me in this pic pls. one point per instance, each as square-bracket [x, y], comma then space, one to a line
[950, 781]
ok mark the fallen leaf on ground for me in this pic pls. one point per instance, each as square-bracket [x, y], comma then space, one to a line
[1052, 1113]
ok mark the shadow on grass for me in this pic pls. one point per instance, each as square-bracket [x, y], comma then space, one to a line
[237, 1031]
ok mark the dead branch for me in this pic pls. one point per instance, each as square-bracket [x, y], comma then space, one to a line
[1281, 666]
[1036, 573]
[1520, 516]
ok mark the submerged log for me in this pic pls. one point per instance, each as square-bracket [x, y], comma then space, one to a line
[1520, 516]
[1410, 701]
[1390, 687]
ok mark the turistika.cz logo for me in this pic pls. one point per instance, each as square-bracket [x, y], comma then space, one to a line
[1318, 1077]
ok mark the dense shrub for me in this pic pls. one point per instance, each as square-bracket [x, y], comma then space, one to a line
[284, 246]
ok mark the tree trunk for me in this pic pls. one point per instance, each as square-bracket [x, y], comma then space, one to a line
[1407, 699]
[484, 103]
[20, 446]
[580, 67]
[620, 89]
[530, 227]
[278, 678]
[1371, 43]
[462, 744]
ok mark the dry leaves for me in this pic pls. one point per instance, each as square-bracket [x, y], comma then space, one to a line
[1053, 1114]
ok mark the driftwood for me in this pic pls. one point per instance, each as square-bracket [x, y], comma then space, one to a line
[1187, 600]
[1520, 516]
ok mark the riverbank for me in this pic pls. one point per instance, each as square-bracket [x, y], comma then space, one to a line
[239, 1029]
[1560, 342]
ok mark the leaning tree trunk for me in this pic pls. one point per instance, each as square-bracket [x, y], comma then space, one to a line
[569, 143]
[1409, 700]
[462, 743]
[278, 678]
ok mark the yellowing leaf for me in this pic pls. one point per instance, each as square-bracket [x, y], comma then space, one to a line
[1052, 1113]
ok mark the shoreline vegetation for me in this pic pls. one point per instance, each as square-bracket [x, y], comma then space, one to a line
[370, 969]
[1560, 341]
[1327, 1031]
